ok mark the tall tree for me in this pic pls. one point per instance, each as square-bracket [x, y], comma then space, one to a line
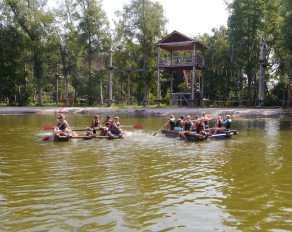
[93, 28]
[35, 21]
[286, 35]
[142, 21]
[245, 22]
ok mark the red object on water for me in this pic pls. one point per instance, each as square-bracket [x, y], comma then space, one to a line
[48, 127]
[138, 126]
[46, 139]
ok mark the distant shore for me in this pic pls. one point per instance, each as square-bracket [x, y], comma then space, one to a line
[154, 111]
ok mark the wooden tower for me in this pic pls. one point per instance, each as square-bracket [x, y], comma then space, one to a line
[177, 41]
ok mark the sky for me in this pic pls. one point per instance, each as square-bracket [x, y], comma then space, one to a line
[190, 17]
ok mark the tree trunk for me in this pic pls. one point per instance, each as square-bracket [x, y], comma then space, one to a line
[39, 91]
[248, 88]
[289, 85]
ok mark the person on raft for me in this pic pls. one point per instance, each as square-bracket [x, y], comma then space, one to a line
[226, 125]
[62, 125]
[219, 124]
[205, 122]
[95, 123]
[171, 123]
[107, 128]
[188, 126]
[200, 126]
[116, 127]
[180, 123]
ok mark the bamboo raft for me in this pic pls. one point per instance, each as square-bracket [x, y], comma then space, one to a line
[201, 137]
[64, 138]
[190, 136]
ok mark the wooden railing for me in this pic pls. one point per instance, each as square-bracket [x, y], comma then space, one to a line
[181, 60]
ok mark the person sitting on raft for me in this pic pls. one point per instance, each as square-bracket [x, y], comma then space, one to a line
[180, 123]
[219, 124]
[171, 123]
[62, 125]
[226, 125]
[188, 126]
[205, 122]
[116, 128]
[200, 126]
[95, 123]
[196, 121]
[108, 124]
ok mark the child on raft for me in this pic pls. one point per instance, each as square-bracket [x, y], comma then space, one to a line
[62, 125]
[219, 124]
[107, 128]
[179, 125]
[226, 125]
[116, 128]
[188, 126]
[95, 123]
[205, 122]
[171, 123]
[200, 126]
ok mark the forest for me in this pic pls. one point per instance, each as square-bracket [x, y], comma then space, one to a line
[66, 50]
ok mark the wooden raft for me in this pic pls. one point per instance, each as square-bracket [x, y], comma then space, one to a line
[97, 137]
[190, 135]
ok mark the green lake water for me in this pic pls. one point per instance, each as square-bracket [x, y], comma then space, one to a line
[145, 183]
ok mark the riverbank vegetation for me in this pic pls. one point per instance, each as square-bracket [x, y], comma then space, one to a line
[64, 50]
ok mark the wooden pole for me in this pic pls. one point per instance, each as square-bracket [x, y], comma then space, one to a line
[158, 94]
[171, 86]
[171, 81]
[129, 94]
[110, 80]
[101, 97]
[193, 78]
[202, 82]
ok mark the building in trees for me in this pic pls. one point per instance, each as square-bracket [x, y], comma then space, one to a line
[179, 42]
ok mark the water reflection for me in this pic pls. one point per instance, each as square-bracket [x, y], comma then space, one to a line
[144, 183]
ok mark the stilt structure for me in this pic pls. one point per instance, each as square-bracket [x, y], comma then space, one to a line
[110, 100]
[179, 42]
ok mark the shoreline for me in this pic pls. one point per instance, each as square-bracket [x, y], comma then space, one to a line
[235, 112]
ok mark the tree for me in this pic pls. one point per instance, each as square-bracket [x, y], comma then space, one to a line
[35, 23]
[93, 28]
[245, 22]
[142, 22]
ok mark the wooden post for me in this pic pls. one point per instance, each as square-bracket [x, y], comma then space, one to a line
[193, 78]
[171, 81]
[202, 82]
[171, 86]
[129, 94]
[110, 78]
[101, 97]
[158, 94]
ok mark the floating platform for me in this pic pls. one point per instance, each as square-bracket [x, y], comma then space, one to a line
[193, 136]
[190, 136]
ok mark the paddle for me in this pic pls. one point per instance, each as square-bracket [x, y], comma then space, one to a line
[138, 126]
[158, 131]
[48, 127]
[47, 138]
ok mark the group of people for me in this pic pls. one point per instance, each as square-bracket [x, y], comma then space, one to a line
[199, 125]
[112, 127]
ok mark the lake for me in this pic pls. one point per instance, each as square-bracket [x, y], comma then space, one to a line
[145, 182]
